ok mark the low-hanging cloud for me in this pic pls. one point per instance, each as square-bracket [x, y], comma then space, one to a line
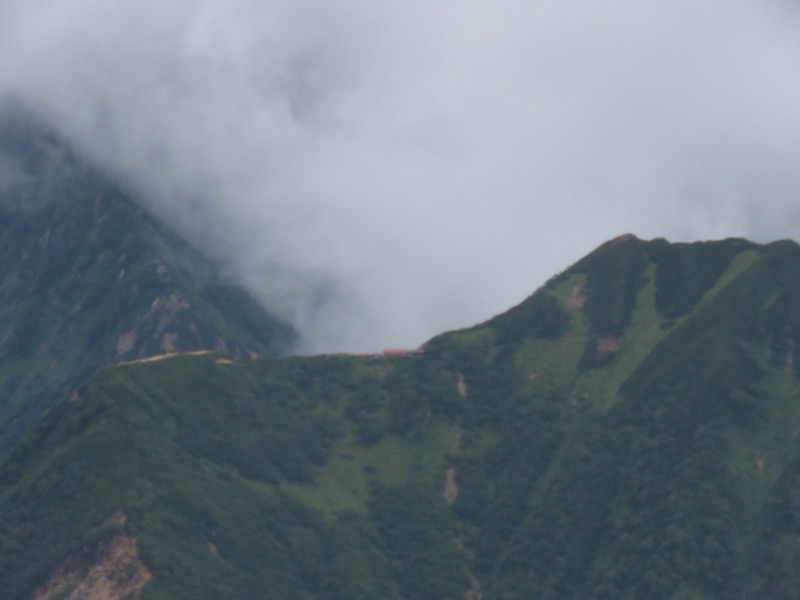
[380, 172]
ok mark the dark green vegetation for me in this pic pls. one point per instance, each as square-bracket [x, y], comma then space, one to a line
[88, 279]
[628, 431]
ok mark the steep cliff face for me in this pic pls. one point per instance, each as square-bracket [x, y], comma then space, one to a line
[88, 278]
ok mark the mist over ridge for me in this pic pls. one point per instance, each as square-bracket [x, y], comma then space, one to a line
[377, 174]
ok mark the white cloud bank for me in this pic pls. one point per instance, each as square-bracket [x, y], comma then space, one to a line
[383, 171]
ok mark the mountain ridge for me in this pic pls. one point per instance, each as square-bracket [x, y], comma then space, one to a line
[642, 446]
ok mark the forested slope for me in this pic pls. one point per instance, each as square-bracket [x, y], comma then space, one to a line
[628, 431]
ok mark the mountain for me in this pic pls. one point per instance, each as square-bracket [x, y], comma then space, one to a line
[88, 279]
[630, 430]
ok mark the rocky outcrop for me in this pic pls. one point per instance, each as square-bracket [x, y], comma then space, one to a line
[115, 572]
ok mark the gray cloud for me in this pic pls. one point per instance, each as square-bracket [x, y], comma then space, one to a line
[380, 172]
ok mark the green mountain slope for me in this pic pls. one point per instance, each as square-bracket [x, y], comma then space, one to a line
[87, 279]
[628, 431]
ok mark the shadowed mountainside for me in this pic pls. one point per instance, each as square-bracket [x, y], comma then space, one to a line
[87, 279]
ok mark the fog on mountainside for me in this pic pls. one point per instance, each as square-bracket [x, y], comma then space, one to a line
[379, 173]
[88, 279]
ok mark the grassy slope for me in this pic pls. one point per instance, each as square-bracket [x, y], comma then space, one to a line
[196, 452]
[666, 466]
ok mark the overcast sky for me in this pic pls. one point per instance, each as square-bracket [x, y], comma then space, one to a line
[379, 172]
